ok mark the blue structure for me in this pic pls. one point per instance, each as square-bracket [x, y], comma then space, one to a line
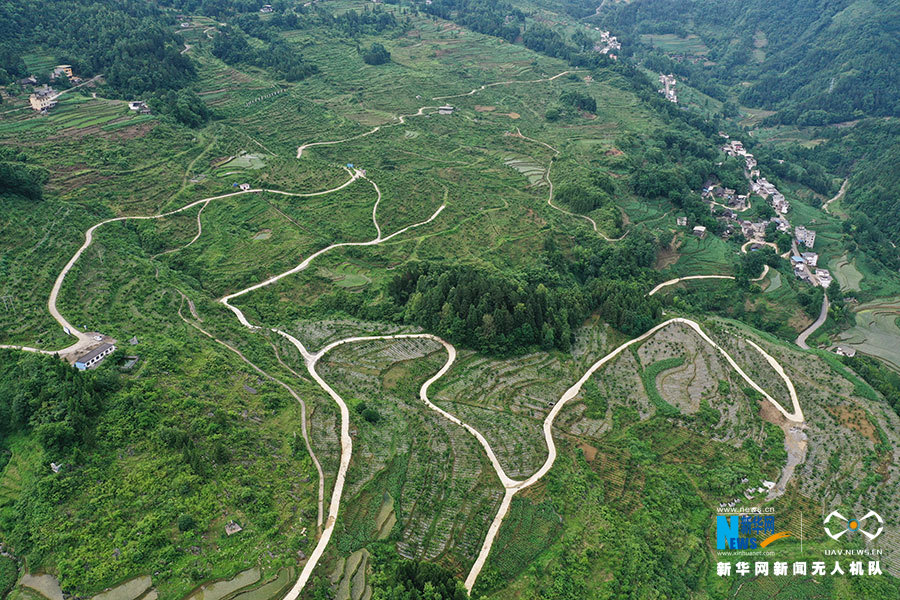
[349, 165]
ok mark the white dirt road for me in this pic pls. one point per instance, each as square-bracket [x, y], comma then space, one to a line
[511, 486]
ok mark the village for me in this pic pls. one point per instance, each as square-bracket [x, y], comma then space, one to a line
[668, 87]
[44, 97]
[608, 44]
[731, 204]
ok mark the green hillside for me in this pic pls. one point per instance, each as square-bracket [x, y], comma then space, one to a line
[354, 256]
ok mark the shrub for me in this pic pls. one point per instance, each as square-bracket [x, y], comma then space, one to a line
[376, 54]
[186, 522]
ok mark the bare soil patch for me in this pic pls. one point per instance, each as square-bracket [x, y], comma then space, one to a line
[768, 412]
[669, 255]
[853, 418]
[799, 321]
[590, 453]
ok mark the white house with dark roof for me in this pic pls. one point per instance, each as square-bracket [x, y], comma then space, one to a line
[95, 356]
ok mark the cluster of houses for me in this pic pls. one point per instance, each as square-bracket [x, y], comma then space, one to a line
[668, 87]
[748, 493]
[43, 98]
[804, 273]
[725, 196]
[805, 263]
[805, 236]
[758, 185]
[608, 44]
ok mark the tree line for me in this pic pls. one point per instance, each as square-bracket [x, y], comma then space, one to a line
[46, 396]
[505, 313]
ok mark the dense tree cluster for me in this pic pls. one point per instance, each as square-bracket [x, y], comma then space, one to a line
[128, 42]
[752, 264]
[545, 40]
[499, 19]
[185, 106]
[584, 194]
[579, 100]
[400, 579]
[17, 178]
[44, 394]
[232, 46]
[376, 54]
[12, 66]
[512, 313]
[580, 198]
[219, 8]
[488, 312]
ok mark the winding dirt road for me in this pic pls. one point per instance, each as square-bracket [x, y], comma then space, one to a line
[690, 277]
[837, 196]
[511, 486]
[795, 416]
[823, 315]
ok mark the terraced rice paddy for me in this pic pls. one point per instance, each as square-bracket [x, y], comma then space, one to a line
[346, 275]
[349, 577]
[876, 332]
[846, 273]
[240, 163]
[220, 589]
[73, 115]
[528, 167]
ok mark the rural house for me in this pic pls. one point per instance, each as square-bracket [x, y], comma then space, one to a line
[94, 357]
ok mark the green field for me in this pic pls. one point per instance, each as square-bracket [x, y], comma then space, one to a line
[673, 44]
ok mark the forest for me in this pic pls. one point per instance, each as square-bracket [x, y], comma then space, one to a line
[43, 394]
[17, 178]
[231, 45]
[499, 19]
[824, 61]
[129, 43]
[503, 314]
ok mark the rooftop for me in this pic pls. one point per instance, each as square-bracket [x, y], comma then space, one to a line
[95, 352]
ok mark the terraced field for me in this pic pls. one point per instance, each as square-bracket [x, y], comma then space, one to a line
[643, 426]
[876, 331]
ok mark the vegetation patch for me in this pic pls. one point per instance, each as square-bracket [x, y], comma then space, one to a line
[648, 377]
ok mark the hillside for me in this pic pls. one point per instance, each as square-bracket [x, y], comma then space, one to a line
[410, 301]
[814, 62]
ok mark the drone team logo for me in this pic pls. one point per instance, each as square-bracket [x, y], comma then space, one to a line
[854, 525]
[746, 532]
